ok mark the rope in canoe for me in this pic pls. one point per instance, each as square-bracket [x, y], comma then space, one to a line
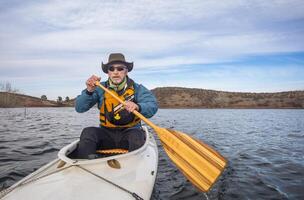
[136, 196]
[8, 190]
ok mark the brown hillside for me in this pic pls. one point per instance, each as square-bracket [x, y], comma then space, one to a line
[176, 97]
[8, 100]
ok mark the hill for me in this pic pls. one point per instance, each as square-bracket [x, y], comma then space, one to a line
[177, 97]
[8, 100]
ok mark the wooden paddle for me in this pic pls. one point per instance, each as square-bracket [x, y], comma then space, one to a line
[197, 161]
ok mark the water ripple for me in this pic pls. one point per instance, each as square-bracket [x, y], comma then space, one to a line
[264, 148]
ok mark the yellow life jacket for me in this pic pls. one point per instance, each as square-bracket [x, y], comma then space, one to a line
[113, 114]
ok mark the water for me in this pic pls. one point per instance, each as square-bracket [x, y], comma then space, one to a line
[264, 148]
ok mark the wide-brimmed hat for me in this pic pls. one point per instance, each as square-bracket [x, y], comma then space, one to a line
[116, 58]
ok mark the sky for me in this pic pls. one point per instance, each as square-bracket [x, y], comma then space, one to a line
[52, 47]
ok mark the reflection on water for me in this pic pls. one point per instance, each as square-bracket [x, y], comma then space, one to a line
[264, 148]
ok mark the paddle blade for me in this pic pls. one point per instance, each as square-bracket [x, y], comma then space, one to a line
[197, 161]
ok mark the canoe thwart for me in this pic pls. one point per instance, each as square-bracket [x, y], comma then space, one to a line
[112, 151]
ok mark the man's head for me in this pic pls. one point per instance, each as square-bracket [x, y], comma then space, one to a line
[115, 58]
[117, 68]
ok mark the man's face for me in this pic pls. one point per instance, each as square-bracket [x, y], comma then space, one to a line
[117, 73]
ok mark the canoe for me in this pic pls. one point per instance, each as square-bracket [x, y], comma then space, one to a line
[79, 179]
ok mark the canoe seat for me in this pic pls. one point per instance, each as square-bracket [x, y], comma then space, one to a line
[112, 151]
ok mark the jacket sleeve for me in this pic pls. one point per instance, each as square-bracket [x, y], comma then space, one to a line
[86, 100]
[146, 101]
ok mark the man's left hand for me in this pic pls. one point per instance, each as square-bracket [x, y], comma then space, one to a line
[131, 106]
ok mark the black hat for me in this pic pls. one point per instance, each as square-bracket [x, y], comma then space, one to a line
[116, 58]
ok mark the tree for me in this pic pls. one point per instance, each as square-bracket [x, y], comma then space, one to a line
[2, 87]
[59, 99]
[67, 99]
[7, 87]
[43, 97]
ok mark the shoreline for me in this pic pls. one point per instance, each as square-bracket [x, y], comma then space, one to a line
[182, 98]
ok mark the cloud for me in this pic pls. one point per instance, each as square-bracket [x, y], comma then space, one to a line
[157, 13]
[185, 47]
[154, 27]
[70, 38]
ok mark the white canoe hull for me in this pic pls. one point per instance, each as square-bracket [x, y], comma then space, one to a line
[71, 182]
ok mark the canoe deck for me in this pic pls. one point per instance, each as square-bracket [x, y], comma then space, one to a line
[73, 181]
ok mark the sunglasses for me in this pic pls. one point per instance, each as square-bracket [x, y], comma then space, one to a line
[120, 68]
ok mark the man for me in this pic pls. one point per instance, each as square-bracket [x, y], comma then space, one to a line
[119, 127]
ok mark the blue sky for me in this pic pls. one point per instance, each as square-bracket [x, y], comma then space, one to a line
[52, 47]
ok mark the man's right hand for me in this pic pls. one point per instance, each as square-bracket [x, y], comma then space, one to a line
[91, 83]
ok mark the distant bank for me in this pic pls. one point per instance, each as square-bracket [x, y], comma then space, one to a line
[176, 97]
[14, 100]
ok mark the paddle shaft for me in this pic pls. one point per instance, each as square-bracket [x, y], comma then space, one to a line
[135, 112]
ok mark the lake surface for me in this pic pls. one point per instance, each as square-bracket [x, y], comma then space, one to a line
[265, 148]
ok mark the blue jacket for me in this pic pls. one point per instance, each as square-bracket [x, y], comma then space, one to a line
[143, 97]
